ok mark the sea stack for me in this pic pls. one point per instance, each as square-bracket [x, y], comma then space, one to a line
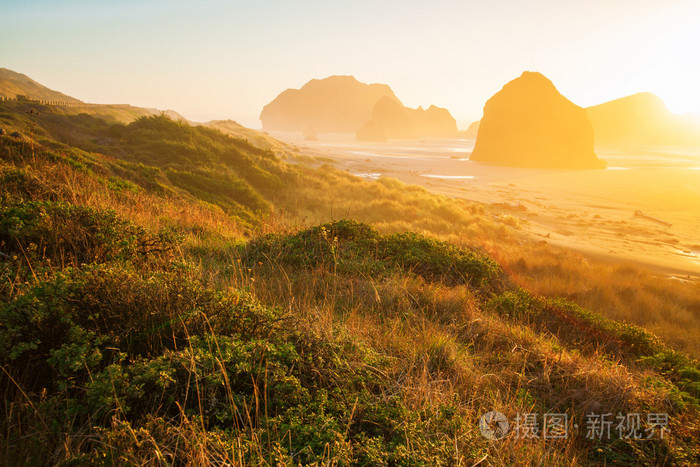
[337, 104]
[435, 122]
[529, 123]
[392, 120]
[372, 132]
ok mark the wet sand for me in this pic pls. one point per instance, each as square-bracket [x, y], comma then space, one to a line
[645, 208]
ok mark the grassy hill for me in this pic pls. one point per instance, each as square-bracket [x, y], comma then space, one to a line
[257, 138]
[173, 294]
[13, 84]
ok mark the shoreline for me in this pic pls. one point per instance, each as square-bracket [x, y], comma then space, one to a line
[594, 212]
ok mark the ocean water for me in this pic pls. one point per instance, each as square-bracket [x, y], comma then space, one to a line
[438, 151]
[449, 177]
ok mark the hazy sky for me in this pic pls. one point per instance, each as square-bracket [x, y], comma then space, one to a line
[227, 59]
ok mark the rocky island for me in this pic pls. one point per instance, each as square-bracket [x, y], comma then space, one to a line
[529, 123]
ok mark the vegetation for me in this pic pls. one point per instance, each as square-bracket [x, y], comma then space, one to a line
[174, 295]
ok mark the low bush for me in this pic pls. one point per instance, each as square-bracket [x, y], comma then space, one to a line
[351, 247]
[71, 235]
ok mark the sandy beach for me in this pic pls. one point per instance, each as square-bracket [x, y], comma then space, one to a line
[644, 208]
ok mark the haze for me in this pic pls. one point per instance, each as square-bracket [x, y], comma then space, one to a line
[217, 59]
[350, 233]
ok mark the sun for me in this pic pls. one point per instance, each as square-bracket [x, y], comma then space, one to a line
[673, 72]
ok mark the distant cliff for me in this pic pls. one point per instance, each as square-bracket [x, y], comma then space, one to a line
[337, 104]
[529, 123]
[642, 119]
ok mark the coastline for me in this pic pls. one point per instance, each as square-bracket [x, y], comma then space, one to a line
[639, 210]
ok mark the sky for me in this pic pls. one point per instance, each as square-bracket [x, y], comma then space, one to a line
[215, 59]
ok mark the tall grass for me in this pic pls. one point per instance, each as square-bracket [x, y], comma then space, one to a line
[167, 321]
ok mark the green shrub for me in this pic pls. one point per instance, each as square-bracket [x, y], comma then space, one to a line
[222, 188]
[20, 185]
[581, 328]
[69, 234]
[79, 318]
[351, 247]
[516, 305]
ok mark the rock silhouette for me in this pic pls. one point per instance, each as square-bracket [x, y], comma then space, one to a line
[342, 104]
[372, 132]
[473, 129]
[642, 119]
[394, 119]
[337, 104]
[391, 119]
[529, 123]
[435, 121]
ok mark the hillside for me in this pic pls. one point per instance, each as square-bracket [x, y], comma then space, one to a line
[257, 138]
[13, 84]
[185, 296]
[642, 119]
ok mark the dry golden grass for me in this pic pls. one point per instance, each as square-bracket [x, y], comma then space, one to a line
[445, 347]
[666, 306]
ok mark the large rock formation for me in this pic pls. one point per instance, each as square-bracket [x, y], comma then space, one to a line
[529, 123]
[394, 119]
[390, 119]
[372, 132]
[473, 130]
[435, 121]
[341, 104]
[642, 119]
[337, 104]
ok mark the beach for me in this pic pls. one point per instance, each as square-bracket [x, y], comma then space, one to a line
[644, 208]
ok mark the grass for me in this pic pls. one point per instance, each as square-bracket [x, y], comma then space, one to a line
[667, 307]
[187, 299]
